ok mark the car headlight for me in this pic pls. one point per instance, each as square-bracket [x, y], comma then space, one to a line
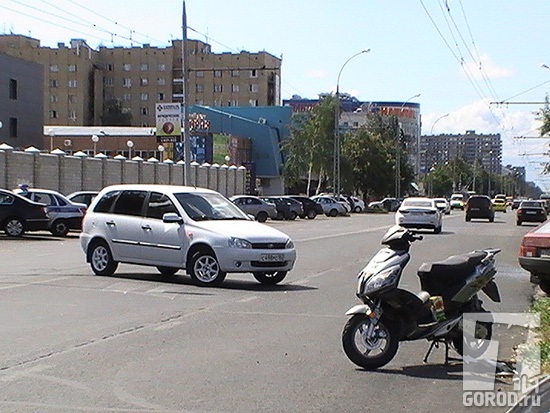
[289, 244]
[239, 243]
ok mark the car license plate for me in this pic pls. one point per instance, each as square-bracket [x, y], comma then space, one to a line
[544, 253]
[530, 212]
[271, 257]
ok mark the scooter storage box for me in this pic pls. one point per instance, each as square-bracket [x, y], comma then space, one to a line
[448, 276]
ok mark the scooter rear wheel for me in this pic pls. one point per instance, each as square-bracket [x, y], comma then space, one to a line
[473, 346]
[369, 352]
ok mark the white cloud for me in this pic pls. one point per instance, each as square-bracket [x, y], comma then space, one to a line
[486, 69]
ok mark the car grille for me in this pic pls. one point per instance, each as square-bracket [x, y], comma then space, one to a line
[273, 264]
[268, 245]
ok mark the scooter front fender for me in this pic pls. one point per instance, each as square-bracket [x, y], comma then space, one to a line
[359, 309]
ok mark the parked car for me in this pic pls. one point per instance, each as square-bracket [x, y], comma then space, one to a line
[310, 207]
[419, 213]
[82, 197]
[19, 215]
[358, 205]
[515, 203]
[255, 206]
[457, 201]
[443, 205]
[534, 255]
[479, 207]
[174, 227]
[530, 211]
[64, 214]
[287, 208]
[389, 204]
[331, 207]
[499, 204]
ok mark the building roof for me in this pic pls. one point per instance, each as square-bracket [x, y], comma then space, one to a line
[98, 130]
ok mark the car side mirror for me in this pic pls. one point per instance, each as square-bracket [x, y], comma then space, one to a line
[172, 217]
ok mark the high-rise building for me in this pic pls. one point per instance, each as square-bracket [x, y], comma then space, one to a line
[80, 83]
[479, 150]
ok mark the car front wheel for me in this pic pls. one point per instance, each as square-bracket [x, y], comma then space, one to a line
[205, 270]
[270, 278]
[101, 259]
[311, 214]
[333, 213]
[261, 217]
[14, 227]
[59, 228]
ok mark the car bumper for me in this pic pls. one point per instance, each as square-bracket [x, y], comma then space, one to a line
[538, 266]
[531, 218]
[418, 223]
[251, 260]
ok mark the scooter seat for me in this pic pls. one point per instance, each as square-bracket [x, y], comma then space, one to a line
[450, 271]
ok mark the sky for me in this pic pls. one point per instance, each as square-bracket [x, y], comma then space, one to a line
[477, 65]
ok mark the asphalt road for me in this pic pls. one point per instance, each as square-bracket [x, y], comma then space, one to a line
[140, 342]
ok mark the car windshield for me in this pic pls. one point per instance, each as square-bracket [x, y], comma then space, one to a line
[418, 203]
[209, 206]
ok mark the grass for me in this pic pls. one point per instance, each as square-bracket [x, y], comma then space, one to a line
[542, 306]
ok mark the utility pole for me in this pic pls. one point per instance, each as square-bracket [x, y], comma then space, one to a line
[185, 108]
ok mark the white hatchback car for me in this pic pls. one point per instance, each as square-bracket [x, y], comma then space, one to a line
[178, 227]
[419, 213]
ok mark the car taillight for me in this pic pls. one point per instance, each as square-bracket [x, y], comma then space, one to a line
[83, 210]
[525, 251]
[520, 211]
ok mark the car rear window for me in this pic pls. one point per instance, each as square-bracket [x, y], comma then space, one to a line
[425, 204]
[106, 202]
[479, 202]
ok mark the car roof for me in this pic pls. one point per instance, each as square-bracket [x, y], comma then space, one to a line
[158, 187]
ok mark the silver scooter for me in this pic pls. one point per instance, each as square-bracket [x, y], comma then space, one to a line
[389, 314]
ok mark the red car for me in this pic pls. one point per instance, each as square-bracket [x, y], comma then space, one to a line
[534, 255]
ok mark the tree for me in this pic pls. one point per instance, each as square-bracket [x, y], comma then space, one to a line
[544, 116]
[114, 114]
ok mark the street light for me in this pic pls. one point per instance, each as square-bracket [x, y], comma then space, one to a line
[130, 145]
[161, 150]
[398, 151]
[95, 140]
[337, 143]
[437, 120]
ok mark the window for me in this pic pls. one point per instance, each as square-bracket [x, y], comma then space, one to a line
[218, 88]
[130, 203]
[235, 88]
[72, 114]
[199, 88]
[161, 81]
[13, 89]
[253, 102]
[144, 96]
[54, 98]
[72, 83]
[200, 73]
[145, 111]
[54, 68]
[217, 73]
[253, 73]
[109, 81]
[127, 96]
[143, 81]
[253, 88]
[53, 83]
[126, 67]
[71, 68]
[110, 67]
[6, 199]
[144, 67]
[53, 114]
[13, 127]
[106, 202]
[71, 98]
[158, 205]
[160, 97]
[161, 67]
[235, 73]
[127, 82]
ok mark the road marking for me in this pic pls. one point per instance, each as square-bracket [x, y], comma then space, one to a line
[19, 284]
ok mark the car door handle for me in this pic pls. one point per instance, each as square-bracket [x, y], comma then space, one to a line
[111, 223]
[146, 227]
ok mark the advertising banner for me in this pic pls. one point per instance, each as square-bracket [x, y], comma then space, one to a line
[168, 121]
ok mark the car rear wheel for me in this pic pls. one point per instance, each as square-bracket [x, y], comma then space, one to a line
[545, 286]
[311, 214]
[468, 218]
[60, 228]
[167, 270]
[293, 215]
[333, 213]
[205, 270]
[357, 209]
[270, 278]
[101, 259]
[261, 217]
[437, 230]
[14, 227]
[518, 222]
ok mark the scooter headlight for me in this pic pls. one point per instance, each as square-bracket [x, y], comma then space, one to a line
[382, 279]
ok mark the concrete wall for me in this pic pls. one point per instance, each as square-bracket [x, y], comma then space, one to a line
[68, 174]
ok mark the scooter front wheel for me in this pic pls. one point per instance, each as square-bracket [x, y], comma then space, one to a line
[369, 350]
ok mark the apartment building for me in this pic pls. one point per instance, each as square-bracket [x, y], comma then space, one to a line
[80, 82]
[481, 150]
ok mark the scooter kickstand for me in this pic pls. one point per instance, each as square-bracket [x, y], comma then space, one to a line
[435, 343]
